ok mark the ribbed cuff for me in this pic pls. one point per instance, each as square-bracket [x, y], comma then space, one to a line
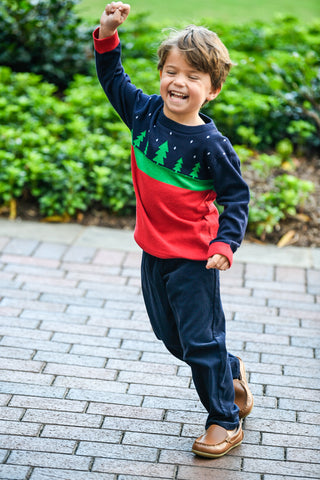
[103, 45]
[221, 249]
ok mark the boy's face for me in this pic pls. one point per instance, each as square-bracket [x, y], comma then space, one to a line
[184, 89]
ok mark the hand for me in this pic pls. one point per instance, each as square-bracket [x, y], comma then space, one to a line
[114, 15]
[220, 262]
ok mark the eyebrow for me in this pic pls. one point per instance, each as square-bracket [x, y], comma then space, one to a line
[192, 70]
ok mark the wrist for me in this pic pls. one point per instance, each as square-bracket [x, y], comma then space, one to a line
[105, 32]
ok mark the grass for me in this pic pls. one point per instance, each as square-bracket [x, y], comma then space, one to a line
[174, 12]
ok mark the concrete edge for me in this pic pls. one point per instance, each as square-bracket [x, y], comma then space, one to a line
[115, 239]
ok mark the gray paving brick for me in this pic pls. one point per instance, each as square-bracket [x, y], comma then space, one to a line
[30, 261]
[138, 468]
[24, 333]
[46, 280]
[89, 384]
[32, 390]
[19, 428]
[54, 251]
[124, 411]
[4, 399]
[74, 332]
[79, 254]
[20, 246]
[62, 418]
[15, 442]
[35, 344]
[70, 359]
[123, 452]
[55, 404]
[10, 413]
[143, 367]
[299, 405]
[89, 434]
[25, 377]
[33, 270]
[109, 257]
[44, 459]
[15, 353]
[14, 293]
[294, 441]
[306, 470]
[48, 474]
[106, 352]
[144, 426]
[100, 312]
[153, 379]
[53, 316]
[90, 268]
[97, 278]
[287, 274]
[12, 472]
[54, 290]
[33, 305]
[289, 428]
[79, 371]
[18, 322]
[201, 473]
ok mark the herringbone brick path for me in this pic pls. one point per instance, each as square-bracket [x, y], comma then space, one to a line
[88, 393]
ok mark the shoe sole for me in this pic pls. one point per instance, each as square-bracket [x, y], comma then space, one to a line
[215, 455]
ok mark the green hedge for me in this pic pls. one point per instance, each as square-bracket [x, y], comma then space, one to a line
[71, 151]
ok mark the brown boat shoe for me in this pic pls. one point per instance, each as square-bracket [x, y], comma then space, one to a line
[243, 396]
[217, 441]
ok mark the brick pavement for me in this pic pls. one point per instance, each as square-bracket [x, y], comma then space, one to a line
[88, 393]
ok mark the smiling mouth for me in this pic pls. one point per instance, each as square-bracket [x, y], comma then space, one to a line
[179, 95]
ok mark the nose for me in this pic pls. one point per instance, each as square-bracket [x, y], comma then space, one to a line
[179, 79]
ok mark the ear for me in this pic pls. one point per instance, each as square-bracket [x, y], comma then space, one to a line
[160, 73]
[213, 94]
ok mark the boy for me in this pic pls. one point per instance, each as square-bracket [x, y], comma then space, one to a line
[180, 165]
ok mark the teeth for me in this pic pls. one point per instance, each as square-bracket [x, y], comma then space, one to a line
[178, 94]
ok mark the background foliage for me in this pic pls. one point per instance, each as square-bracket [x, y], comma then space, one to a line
[62, 144]
[44, 37]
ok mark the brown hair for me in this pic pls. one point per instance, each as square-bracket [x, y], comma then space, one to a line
[203, 50]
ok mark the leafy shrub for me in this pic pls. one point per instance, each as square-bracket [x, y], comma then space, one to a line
[45, 37]
[68, 154]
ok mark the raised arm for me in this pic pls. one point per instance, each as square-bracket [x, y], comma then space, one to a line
[112, 17]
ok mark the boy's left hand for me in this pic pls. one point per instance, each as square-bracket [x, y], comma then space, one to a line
[220, 262]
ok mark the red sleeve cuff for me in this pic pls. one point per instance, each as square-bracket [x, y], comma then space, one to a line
[103, 45]
[221, 249]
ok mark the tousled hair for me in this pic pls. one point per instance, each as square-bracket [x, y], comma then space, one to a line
[203, 50]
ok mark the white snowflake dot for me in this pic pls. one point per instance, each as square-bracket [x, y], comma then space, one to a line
[149, 114]
[191, 141]
[194, 156]
[208, 136]
[157, 139]
[224, 139]
[209, 153]
[170, 133]
[137, 116]
[174, 148]
[224, 153]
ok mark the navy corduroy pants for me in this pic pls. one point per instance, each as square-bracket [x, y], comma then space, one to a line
[183, 303]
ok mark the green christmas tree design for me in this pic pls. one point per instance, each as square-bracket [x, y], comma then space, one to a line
[195, 171]
[139, 139]
[178, 165]
[146, 149]
[161, 153]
